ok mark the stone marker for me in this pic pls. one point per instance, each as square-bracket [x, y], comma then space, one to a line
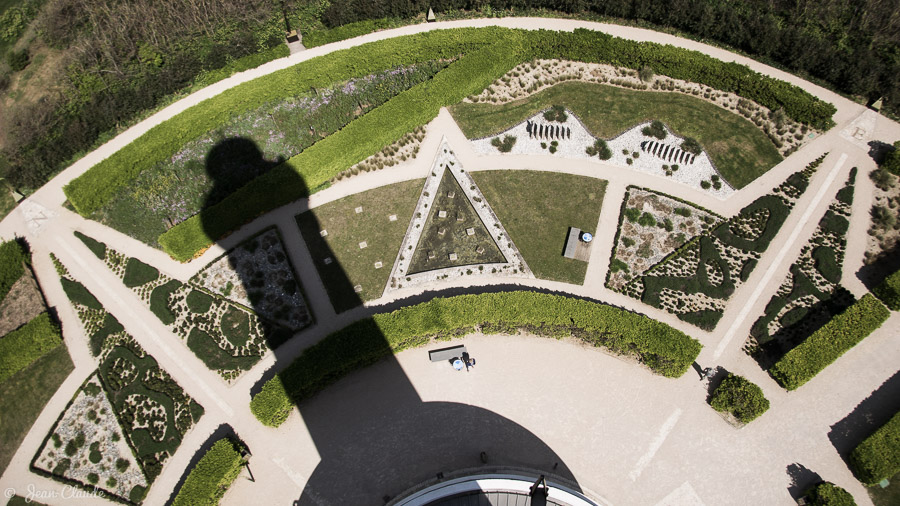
[323, 233]
[431, 255]
[470, 231]
[378, 265]
[451, 194]
[479, 250]
[442, 231]
[453, 256]
[442, 214]
[327, 260]
[392, 217]
[357, 288]
[460, 217]
[363, 245]
[358, 209]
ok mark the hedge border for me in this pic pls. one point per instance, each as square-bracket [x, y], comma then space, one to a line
[212, 475]
[878, 456]
[665, 350]
[832, 340]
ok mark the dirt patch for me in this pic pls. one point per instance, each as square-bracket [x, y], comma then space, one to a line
[22, 304]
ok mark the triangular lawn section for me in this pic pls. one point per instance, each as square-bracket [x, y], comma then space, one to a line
[447, 232]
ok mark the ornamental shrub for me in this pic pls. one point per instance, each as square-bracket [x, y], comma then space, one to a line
[828, 494]
[138, 273]
[663, 349]
[505, 145]
[829, 342]
[655, 129]
[889, 291]
[556, 113]
[878, 456]
[740, 397]
[691, 145]
[599, 149]
[97, 248]
[214, 473]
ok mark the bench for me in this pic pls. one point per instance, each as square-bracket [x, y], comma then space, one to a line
[443, 354]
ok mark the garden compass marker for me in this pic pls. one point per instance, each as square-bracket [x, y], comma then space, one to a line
[453, 231]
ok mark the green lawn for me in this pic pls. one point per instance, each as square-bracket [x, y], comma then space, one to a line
[889, 496]
[24, 395]
[351, 265]
[736, 146]
[537, 209]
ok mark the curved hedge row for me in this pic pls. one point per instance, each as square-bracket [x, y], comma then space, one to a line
[487, 53]
[93, 189]
[663, 349]
[878, 456]
[831, 341]
[213, 474]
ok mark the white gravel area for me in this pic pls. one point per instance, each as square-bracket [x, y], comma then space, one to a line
[577, 138]
[515, 265]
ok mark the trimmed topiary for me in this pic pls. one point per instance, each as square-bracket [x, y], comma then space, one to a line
[878, 456]
[740, 397]
[828, 494]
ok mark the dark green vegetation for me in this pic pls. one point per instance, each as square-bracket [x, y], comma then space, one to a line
[848, 45]
[486, 54]
[504, 145]
[889, 291]
[888, 496]
[100, 66]
[828, 494]
[811, 294]
[351, 266]
[829, 342]
[878, 456]
[209, 168]
[443, 236]
[32, 345]
[25, 394]
[740, 397]
[739, 149]
[21, 347]
[600, 149]
[210, 478]
[719, 260]
[126, 370]
[663, 349]
[537, 209]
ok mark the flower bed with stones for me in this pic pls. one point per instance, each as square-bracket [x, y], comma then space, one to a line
[130, 396]
[811, 293]
[227, 336]
[531, 77]
[696, 280]
[631, 149]
[651, 226]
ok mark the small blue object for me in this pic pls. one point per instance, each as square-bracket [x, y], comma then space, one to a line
[587, 237]
[458, 364]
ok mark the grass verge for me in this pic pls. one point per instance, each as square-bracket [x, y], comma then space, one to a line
[739, 150]
[537, 209]
[350, 265]
[24, 395]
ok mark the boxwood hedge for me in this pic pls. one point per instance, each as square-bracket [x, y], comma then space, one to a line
[889, 291]
[663, 349]
[831, 341]
[21, 347]
[213, 474]
[828, 494]
[878, 456]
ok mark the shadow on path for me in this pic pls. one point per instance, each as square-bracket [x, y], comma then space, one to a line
[376, 437]
[867, 417]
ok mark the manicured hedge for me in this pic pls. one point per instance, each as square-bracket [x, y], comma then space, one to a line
[878, 456]
[348, 31]
[740, 397]
[21, 347]
[889, 291]
[663, 349]
[97, 248]
[828, 494]
[831, 341]
[12, 265]
[93, 189]
[213, 474]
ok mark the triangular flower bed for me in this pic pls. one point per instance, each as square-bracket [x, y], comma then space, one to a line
[153, 411]
[227, 337]
[453, 232]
